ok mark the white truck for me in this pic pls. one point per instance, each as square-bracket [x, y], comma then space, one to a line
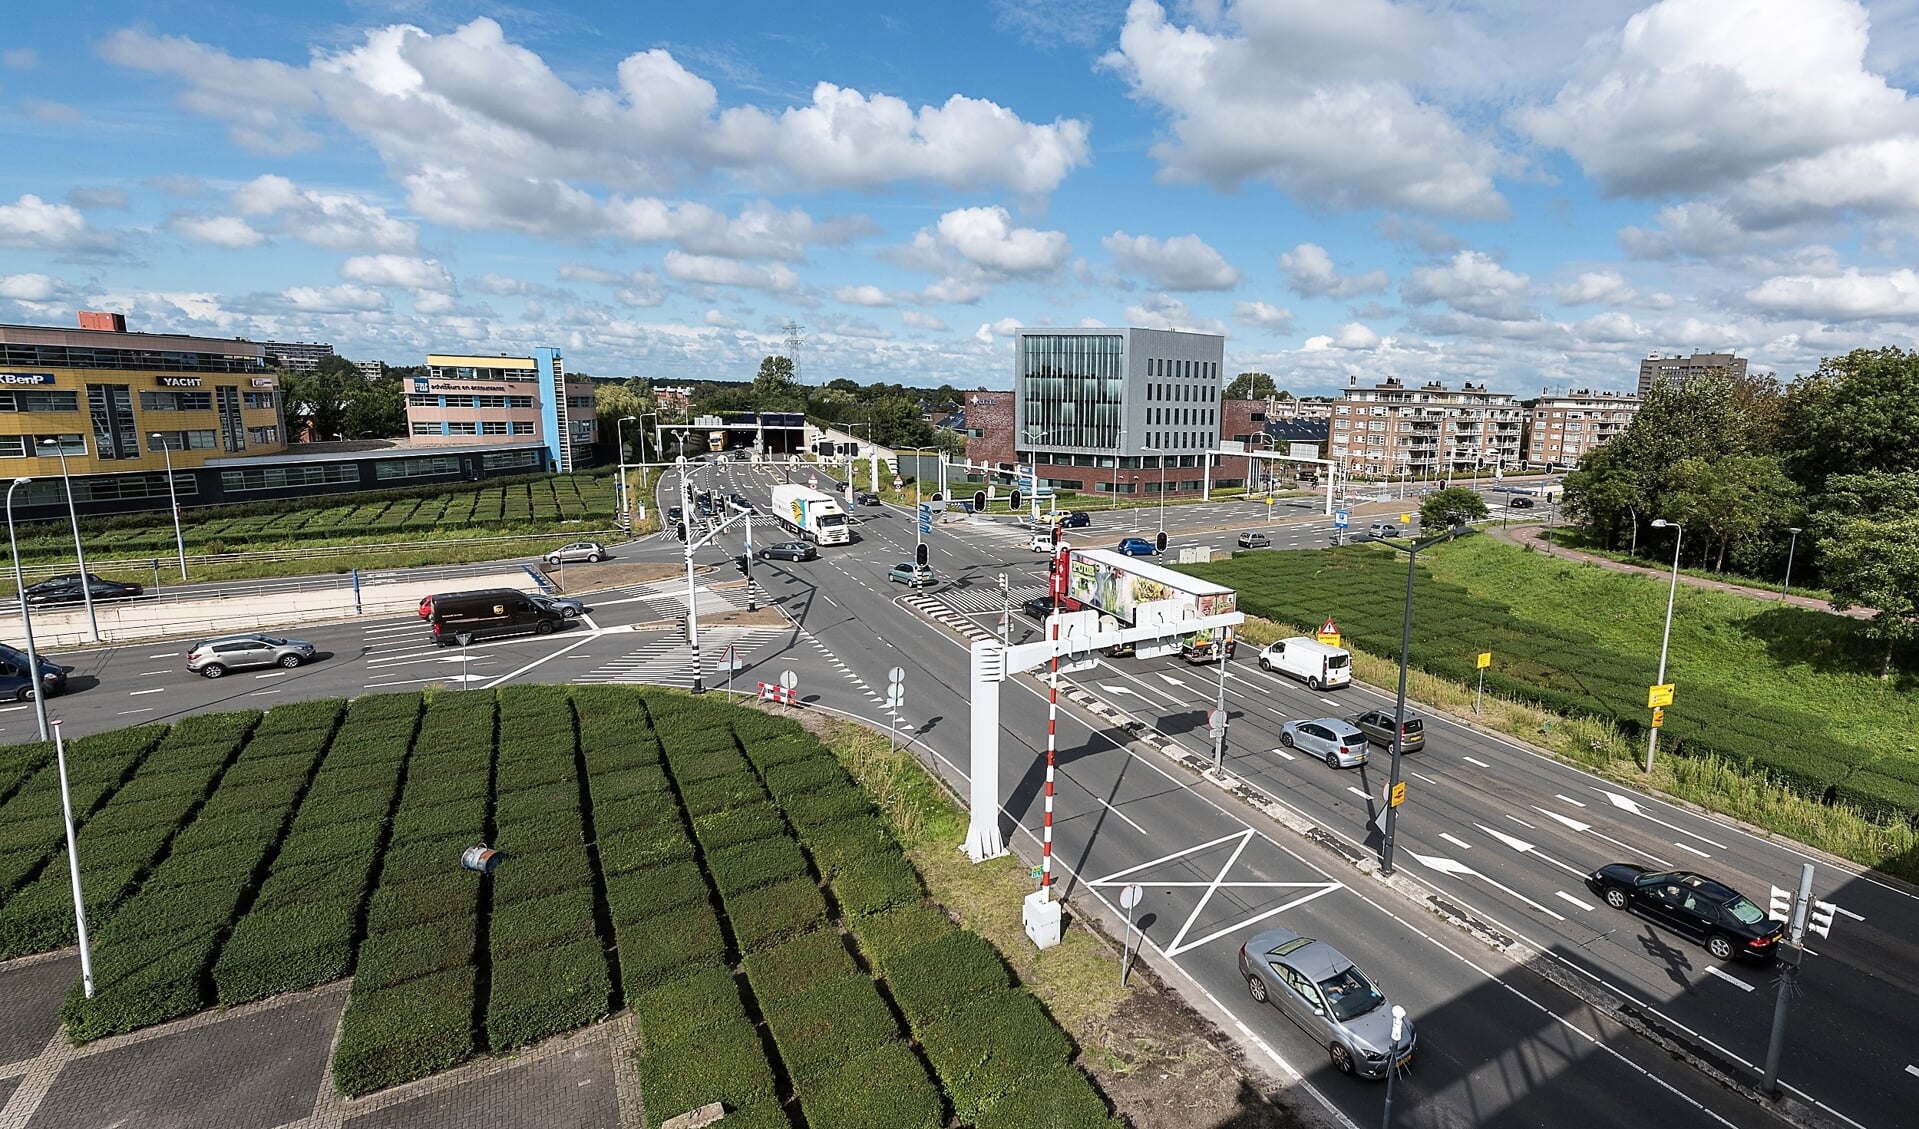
[815, 516]
[1136, 594]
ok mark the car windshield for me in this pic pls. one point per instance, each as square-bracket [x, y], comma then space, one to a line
[1350, 994]
[831, 520]
[1742, 908]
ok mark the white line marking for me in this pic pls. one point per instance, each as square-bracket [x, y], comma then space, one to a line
[1328, 701]
[1728, 978]
[1424, 777]
[1694, 850]
[1628, 803]
[1475, 760]
[1913, 1070]
[1519, 821]
[137, 693]
[1455, 840]
[1587, 906]
[142, 709]
[1283, 753]
[1355, 791]
[1568, 799]
[1847, 912]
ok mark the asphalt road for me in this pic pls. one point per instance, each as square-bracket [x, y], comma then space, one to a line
[1498, 1044]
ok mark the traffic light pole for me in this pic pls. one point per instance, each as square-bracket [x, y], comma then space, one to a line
[1790, 956]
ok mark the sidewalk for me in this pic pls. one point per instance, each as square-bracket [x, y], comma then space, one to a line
[1530, 537]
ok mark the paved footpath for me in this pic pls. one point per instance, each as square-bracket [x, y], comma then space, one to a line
[1532, 537]
[265, 1066]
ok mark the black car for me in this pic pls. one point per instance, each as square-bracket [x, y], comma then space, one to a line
[1520, 502]
[69, 590]
[1727, 922]
[789, 551]
[866, 498]
[1078, 519]
[673, 513]
[1039, 607]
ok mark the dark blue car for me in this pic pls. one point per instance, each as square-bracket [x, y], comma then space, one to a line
[1136, 547]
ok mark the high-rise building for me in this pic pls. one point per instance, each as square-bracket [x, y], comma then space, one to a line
[1566, 427]
[487, 400]
[370, 370]
[1676, 368]
[1390, 430]
[297, 356]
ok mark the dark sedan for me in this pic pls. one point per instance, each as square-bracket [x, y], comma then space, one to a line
[789, 551]
[1039, 607]
[1727, 922]
[69, 590]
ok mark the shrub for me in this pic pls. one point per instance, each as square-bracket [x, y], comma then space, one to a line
[944, 974]
[408, 952]
[645, 812]
[849, 841]
[673, 945]
[398, 1034]
[739, 825]
[541, 921]
[684, 1010]
[729, 1066]
[811, 812]
[529, 876]
[543, 991]
[796, 965]
[770, 914]
[798, 777]
[640, 895]
[723, 760]
[1057, 1097]
[890, 937]
[885, 1085]
[821, 1028]
[296, 947]
[985, 1049]
[735, 869]
[878, 882]
[635, 850]
[720, 793]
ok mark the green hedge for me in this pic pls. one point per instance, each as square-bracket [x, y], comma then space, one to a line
[812, 812]
[990, 1047]
[945, 974]
[798, 964]
[875, 884]
[672, 945]
[409, 1031]
[1058, 1097]
[542, 991]
[887, 939]
[767, 915]
[739, 825]
[728, 1066]
[642, 894]
[32, 829]
[821, 1028]
[739, 868]
[885, 1085]
[683, 1011]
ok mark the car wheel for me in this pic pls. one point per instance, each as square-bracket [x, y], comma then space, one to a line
[1720, 946]
[212, 670]
[23, 694]
[1332, 760]
[1262, 663]
[1342, 1058]
[289, 661]
[594, 558]
[1312, 683]
[568, 613]
[1257, 987]
[552, 560]
[1286, 739]
[1615, 897]
[544, 627]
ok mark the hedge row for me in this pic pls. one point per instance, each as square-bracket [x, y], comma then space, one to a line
[300, 930]
[697, 1044]
[411, 1011]
[18, 763]
[154, 954]
[549, 970]
[31, 827]
[126, 836]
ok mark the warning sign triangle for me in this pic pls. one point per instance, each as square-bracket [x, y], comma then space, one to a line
[1328, 628]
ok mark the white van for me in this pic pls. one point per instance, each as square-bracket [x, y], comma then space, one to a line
[1310, 661]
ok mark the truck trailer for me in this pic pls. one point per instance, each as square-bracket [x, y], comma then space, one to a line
[1121, 586]
[810, 514]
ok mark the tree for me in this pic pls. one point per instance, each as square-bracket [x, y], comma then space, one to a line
[1853, 416]
[1733, 499]
[339, 367]
[375, 409]
[1604, 496]
[613, 403]
[1455, 505]
[1251, 386]
[1874, 563]
[775, 389]
[315, 404]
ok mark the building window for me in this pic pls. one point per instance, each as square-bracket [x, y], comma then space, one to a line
[286, 477]
[421, 400]
[520, 427]
[259, 399]
[115, 435]
[201, 439]
[427, 429]
[263, 436]
[430, 466]
[502, 460]
[493, 427]
[462, 427]
[68, 444]
[21, 401]
[176, 401]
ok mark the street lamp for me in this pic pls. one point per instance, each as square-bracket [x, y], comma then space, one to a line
[1652, 737]
[1390, 825]
[626, 502]
[1160, 455]
[73, 517]
[179, 542]
[34, 678]
[1786, 588]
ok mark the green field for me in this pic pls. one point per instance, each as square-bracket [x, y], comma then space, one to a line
[712, 868]
[1786, 691]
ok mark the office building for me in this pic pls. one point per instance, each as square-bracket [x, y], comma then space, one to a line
[296, 356]
[500, 400]
[1391, 430]
[370, 370]
[1676, 368]
[1566, 427]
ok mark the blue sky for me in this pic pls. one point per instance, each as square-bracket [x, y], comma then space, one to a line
[1494, 191]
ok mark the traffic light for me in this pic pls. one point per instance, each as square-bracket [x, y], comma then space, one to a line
[979, 501]
[1820, 920]
[919, 553]
[679, 531]
[1159, 542]
[1058, 533]
[1012, 500]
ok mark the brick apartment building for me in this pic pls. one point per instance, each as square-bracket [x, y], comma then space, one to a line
[1566, 427]
[1391, 430]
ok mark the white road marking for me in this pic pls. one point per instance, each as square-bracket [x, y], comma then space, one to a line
[1627, 803]
[1587, 906]
[1694, 850]
[1283, 753]
[1568, 799]
[1454, 867]
[1357, 792]
[1523, 847]
[1424, 777]
[1578, 826]
[151, 673]
[1475, 760]
[165, 655]
[1329, 701]
[155, 690]
[1171, 681]
[1728, 978]
[142, 709]
[274, 674]
[1913, 1070]
[1847, 912]
[1519, 821]
[1456, 840]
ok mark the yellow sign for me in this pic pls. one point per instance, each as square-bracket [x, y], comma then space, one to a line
[1405, 519]
[1485, 659]
[1269, 499]
[1658, 716]
[1399, 793]
[1660, 695]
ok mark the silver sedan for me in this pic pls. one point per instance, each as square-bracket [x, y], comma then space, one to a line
[1329, 998]
[1339, 743]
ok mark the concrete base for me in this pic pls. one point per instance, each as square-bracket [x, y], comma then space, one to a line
[1040, 913]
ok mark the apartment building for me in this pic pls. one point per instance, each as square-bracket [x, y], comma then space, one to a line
[487, 400]
[1566, 427]
[1676, 368]
[1392, 430]
[297, 356]
[370, 370]
[1300, 407]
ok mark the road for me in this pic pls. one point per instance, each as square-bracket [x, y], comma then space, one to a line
[1487, 827]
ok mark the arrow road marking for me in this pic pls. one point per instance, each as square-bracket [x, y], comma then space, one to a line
[1450, 866]
[1588, 829]
[1568, 799]
[1627, 803]
[1523, 847]
[1122, 690]
[1171, 681]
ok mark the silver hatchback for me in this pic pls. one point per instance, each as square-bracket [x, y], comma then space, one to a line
[1339, 743]
[1328, 997]
[212, 658]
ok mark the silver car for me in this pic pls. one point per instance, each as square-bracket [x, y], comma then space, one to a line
[1329, 997]
[214, 657]
[1339, 743]
[566, 607]
[591, 552]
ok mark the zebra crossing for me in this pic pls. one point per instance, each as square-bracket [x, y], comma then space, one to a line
[667, 660]
[987, 600]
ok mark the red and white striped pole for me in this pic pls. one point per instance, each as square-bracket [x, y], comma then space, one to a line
[1056, 586]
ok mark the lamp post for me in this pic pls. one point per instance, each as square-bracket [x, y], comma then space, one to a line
[179, 542]
[34, 678]
[1786, 588]
[1160, 455]
[626, 502]
[80, 555]
[1390, 824]
[1652, 737]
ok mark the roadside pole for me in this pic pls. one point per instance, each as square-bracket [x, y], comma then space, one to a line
[1129, 897]
[1485, 660]
[895, 698]
[1806, 915]
[73, 864]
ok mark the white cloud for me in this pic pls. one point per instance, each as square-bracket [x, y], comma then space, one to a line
[1309, 97]
[1612, 327]
[58, 113]
[1352, 337]
[343, 299]
[586, 272]
[1594, 288]
[262, 101]
[1163, 311]
[920, 319]
[94, 199]
[985, 238]
[215, 231]
[1004, 327]
[1260, 315]
[178, 184]
[718, 320]
[866, 295]
[397, 270]
[1472, 283]
[711, 270]
[503, 285]
[18, 58]
[30, 287]
[32, 223]
[950, 292]
[336, 221]
[1184, 262]
[1851, 296]
[1311, 274]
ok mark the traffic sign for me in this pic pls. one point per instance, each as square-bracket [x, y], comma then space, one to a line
[896, 676]
[788, 680]
[1485, 659]
[1658, 716]
[730, 660]
[1399, 794]
[1660, 695]
[1342, 518]
[812, 482]
[1129, 895]
[1215, 722]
